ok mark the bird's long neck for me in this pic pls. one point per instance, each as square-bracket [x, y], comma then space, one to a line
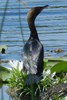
[31, 16]
[33, 30]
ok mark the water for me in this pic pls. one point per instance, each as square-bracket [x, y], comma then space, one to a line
[51, 25]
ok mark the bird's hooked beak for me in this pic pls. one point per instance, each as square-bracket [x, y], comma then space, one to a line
[41, 8]
[45, 6]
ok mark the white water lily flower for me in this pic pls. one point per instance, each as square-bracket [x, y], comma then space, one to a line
[46, 73]
[53, 74]
[16, 64]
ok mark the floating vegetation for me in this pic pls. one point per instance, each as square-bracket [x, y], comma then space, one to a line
[57, 50]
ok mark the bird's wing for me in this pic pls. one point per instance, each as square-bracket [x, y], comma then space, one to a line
[31, 53]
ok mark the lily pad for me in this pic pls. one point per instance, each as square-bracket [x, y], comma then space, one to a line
[4, 76]
[59, 67]
[4, 73]
[59, 59]
[3, 69]
[50, 62]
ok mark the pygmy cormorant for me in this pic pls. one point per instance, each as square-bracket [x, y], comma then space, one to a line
[33, 52]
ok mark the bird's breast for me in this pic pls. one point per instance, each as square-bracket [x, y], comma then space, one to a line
[31, 53]
[32, 48]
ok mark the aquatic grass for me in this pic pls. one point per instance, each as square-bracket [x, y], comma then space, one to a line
[17, 74]
[30, 84]
[18, 77]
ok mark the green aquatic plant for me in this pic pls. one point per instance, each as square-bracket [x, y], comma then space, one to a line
[31, 85]
[17, 74]
[60, 67]
[4, 74]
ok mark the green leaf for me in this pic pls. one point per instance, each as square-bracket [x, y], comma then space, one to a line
[1, 83]
[59, 59]
[3, 69]
[50, 62]
[59, 67]
[45, 62]
[4, 73]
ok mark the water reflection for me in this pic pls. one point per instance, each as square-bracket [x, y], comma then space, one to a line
[3, 93]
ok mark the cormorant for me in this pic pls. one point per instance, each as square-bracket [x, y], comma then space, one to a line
[33, 51]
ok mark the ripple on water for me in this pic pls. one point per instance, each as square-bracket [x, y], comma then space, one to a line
[51, 25]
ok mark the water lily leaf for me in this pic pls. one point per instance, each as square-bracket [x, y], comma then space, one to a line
[3, 69]
[45, 62]
[4, 73]
[59, 67]
[59, 59]
[50, 62]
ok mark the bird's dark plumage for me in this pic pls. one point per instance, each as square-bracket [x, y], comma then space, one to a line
[33, 52]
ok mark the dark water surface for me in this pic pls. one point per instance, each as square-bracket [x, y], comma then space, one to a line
[51, 25]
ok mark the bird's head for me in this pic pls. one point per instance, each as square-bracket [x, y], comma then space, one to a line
[33, 12]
